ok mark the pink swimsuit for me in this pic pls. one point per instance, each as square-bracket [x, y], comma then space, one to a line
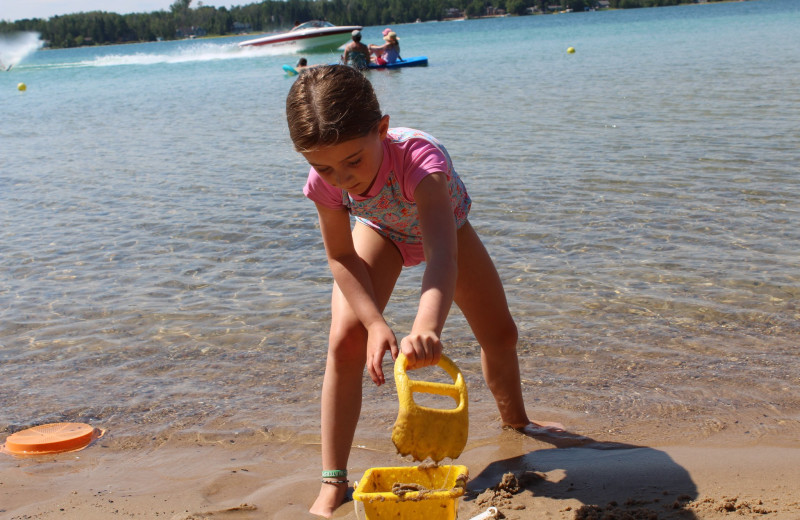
[389, 207]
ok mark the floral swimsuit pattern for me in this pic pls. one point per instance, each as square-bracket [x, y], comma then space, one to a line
[391, 213]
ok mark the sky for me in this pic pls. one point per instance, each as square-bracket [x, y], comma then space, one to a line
[12, 10]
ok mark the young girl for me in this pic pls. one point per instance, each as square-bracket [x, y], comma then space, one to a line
[410, 206]
[389, 52]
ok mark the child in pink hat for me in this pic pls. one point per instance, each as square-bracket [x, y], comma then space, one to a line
[389, 52]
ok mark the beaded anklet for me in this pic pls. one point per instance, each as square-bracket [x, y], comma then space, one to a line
[340, 474]
[335, 482]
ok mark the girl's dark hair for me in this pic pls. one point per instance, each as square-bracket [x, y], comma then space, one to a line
[329, 105]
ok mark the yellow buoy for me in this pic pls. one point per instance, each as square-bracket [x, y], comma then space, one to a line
[22, 87]
[571, 50]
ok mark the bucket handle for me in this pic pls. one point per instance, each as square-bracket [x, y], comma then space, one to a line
[457, 390]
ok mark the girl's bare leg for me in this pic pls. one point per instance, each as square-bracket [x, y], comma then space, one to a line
[341, 386]
[480, 296]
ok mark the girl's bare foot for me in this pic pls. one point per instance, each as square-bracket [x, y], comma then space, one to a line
[330, 497]
[541, 428]
[554, 433]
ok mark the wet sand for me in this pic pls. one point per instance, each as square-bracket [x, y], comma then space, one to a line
[256, 477]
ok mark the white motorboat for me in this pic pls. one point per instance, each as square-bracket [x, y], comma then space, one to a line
[316, 35]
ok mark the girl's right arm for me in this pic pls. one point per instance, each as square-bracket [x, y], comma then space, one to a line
[355, 283]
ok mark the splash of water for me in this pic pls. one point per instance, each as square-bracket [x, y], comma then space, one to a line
[192, 52]
[186, 54]
[15, 47]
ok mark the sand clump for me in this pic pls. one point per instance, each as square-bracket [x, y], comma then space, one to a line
[732, 505]
[401, 489]
[502, 494]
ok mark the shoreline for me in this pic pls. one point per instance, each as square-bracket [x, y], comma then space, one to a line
[560, 479]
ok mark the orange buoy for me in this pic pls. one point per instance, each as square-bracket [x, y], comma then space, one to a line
[51, 438]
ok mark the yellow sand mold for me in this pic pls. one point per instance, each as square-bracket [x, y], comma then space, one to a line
[424, 432]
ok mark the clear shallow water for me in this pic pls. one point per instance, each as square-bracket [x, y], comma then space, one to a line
[162, 274]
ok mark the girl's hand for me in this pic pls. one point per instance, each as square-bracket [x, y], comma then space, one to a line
[421, 349]
[380, 338]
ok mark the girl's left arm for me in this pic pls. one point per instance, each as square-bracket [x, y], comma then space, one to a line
[423, 346]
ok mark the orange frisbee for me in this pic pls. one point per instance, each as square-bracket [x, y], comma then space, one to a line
[51, 438]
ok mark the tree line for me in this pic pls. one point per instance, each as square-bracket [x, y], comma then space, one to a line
[183, 20]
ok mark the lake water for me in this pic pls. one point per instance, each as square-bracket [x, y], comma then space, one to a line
[162, 275]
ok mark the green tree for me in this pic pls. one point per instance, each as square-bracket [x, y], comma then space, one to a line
[99, 27]
[475, 8]
[180, 6]
[517, 7]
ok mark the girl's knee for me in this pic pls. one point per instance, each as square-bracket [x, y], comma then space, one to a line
[509, 336]
[513, 334]
[348, 345]
[502, 338]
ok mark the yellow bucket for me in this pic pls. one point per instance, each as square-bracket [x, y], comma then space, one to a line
[429, 493]
[424, 432]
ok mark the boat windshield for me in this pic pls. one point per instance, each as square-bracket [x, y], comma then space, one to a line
[313, 24]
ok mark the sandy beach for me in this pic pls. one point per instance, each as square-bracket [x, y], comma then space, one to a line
[162, 275]
[263, 476]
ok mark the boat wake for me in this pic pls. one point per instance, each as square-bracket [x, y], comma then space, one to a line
[15, 47]
[12, 51]
[185, 53]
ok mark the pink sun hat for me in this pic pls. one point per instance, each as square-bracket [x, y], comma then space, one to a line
[386, 31]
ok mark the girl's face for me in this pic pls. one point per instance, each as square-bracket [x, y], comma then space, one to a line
[351, 165]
